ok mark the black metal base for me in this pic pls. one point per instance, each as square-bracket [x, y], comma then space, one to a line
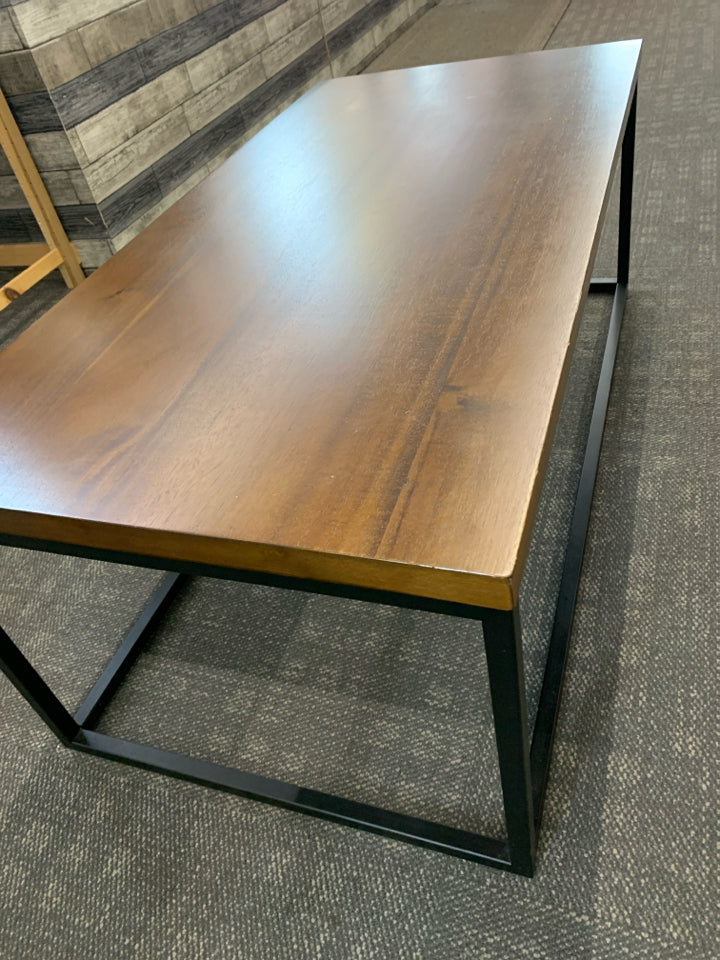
[523, 768]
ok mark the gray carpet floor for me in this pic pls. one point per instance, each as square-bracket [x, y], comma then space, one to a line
[104, 861]
[467, 29]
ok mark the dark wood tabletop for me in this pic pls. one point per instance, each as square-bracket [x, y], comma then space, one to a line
[340, 356]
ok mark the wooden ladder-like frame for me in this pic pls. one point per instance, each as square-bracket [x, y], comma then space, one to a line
[38, 258]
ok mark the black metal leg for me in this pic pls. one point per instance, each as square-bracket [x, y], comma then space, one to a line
[78, 734]
[503, 649]
[89, 712]
[21, 673]
[549, 703]
[627, 164]
[38, 694]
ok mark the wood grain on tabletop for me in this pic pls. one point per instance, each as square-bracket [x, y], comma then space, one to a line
[340, 356]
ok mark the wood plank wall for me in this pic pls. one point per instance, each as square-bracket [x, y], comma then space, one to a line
[52, 152]
[126, 105]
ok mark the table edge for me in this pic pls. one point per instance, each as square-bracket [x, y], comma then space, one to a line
[521, 552]
[100, 540]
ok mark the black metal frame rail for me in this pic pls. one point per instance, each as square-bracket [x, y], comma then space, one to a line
[523, 768]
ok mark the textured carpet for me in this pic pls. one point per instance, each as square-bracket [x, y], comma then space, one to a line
[99, 860]
[462, 30]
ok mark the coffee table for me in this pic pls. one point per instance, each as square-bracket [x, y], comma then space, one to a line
[336, 366]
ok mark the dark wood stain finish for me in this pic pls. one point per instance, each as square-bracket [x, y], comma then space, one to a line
[341, 356]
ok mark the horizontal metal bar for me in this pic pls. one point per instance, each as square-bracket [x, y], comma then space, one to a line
[89, 712]
[603, 285]
[424, 833]
[549, 702]
[324, 587]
